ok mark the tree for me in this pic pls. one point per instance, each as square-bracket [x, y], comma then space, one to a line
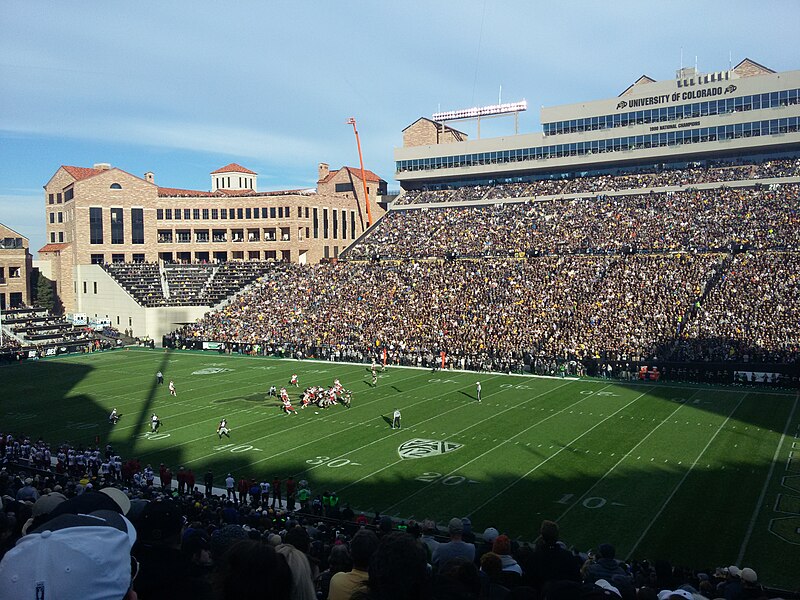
[45, 296]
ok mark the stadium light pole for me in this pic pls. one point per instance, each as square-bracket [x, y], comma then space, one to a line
[352, 121]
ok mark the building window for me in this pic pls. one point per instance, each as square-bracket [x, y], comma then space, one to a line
[335, 224]
[272, 213]
[344, 224]
[352, 224]
[214, 214]
[137, 225]
[247, 213]
[94, 286]
[325, 223]
[168, 214]
[97, 259]
[255, 212]
[53, 236]
[69, 194]
[299, 212]
[223, 213]
[239, 214]
[117, 258]
[316, 223]
[201, 235]
[205, 214]
[344, 187]
[117, 226]
[264, 212]
[51, 198]
[60, 217]
[196, 214]
[184, 236]
[280, 212]
[138, 258]
[186, 213]
[60, 236]
[52, 217]
[116, 186]
[159, 214]
[306, 212]
[58, 198]
[96, 226]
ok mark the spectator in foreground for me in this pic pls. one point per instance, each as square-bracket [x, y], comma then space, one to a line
[73, 556]
[362, 547]
[455, 548]
[250, 570]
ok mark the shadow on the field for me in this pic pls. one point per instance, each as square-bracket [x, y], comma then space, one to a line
[396, 389]
[387, 419]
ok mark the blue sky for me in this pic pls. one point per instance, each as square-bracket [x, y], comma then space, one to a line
[181, 88]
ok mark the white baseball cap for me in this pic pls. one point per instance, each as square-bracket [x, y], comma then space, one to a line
[71, 557]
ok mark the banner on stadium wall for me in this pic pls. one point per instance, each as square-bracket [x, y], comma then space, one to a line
[50, 352]
[31, 353]
[212, 345]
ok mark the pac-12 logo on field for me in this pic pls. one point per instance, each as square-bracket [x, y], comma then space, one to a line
[419, 448]
[210, 371]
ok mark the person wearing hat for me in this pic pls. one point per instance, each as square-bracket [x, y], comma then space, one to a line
[428, 532]
[751, 590]
[85, 556]
[455, 548]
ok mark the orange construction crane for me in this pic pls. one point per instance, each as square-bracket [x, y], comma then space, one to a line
[352, 121]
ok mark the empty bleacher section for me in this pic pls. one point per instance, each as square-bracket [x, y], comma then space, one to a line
[185, 284]
[692, 275]
[141, 280]
[34, 329]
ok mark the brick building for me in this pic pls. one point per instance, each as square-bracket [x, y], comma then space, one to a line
[15, 269]
[104, 214]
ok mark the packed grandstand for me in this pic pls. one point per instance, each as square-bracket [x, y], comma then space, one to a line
[691, 266]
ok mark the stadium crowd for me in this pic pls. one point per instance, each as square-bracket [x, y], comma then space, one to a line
[504, 315]
[692, 220]
[645, 178]
[62, 534]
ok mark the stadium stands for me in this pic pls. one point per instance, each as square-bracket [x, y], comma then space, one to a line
[628, 275]
[185, 537]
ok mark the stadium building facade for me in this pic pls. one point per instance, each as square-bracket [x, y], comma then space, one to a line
[746, 112]
[104, 215]
[15, 269]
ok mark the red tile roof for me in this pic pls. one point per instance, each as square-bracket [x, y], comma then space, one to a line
[81, 172]
[167, 191]
[236, 192]
[354, 173]
[234, 168]
[52, 247]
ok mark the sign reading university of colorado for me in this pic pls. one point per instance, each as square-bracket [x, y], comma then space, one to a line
[420, 448]
[709, 92]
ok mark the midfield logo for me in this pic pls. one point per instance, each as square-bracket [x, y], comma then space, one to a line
[419, 448]
[211, 371]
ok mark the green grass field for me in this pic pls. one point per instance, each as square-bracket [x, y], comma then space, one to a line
[698, 475]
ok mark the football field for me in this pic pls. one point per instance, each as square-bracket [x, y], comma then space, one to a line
[702, 476]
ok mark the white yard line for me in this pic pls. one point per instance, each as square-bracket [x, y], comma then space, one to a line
[375, 441]
[760, 502]
[254, 422]
[546, 460]
[683, 479]
[515, 407]
[611, 470]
